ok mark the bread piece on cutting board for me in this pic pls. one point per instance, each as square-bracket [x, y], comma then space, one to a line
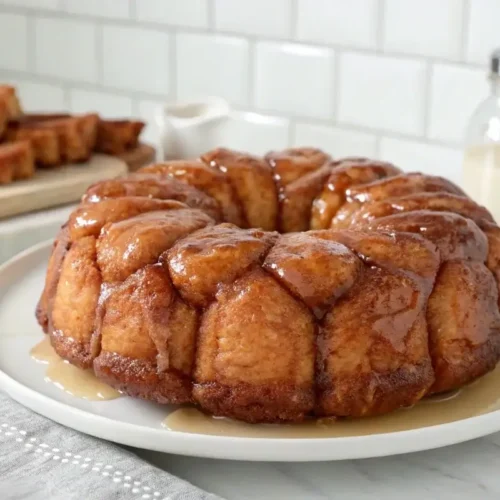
[52, 187]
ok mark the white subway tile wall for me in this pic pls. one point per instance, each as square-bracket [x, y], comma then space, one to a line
[106, 103]
[104, 8]
[425, 27]
[147, 111]
[193, 13]
[257, 17]
[394, 79]
[40, 97]
[136, 59]
[35, 4]
[66, 49]
[14, 41]
[256, 133]
[336, 141]
[482, 29]
[351, 24]
[453, 97]
[386, 93]
[415, 156]
[210, 65]
[294, 79]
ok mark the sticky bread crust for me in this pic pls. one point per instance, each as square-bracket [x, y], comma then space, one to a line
[168, 305]
[56, 138]
[44, 142]
[117, 136]
[16, 161]
[272, 403]
[8, 96]
[142, 379]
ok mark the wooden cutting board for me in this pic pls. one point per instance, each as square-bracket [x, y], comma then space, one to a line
[138, 157]
[49, 188]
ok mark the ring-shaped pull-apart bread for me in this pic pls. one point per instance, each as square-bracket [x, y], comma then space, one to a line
[278, 288]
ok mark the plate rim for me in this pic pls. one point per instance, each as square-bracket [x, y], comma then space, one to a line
[238, 448]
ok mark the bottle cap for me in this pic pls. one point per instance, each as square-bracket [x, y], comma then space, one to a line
[495, 62]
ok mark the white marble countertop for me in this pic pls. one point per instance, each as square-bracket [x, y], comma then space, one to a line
[464, 471]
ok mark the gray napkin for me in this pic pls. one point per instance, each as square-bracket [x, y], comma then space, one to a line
[40, 459]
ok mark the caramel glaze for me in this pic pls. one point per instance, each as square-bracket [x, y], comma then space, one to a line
[167, 305]
[473, 400]
[71, 379]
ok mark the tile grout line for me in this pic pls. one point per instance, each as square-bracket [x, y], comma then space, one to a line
[67, 95]
[154, 26]
[139, 95]
[172, 70]
[294, 20]
[132, 9]
[31, 43]
[378, 145]
[380, 26]
[426, 112]
[464, 38]
[99, 52]
[252, 74]
[336, 85]
[292, 133]
[211, 15]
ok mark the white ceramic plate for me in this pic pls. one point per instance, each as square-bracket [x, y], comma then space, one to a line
[137, 423]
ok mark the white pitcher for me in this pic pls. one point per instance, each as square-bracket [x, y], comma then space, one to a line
[189, 129]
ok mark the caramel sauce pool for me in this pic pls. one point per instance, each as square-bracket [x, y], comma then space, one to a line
[75, 381]
[482, 396]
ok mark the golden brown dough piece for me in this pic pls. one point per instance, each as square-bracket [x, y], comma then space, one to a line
[492, 232]
[296, 200]
[373, 354]
[206, 260]
[7, 166]
[9, 97]
[462, 314]
[206, 179]
[291, 164]
[389, 188]
[73, 314]
[125, 246]
[255, 356]
[117, 136]
[4, 118]
[44, 142]
[39, 117]
[464, 324]
[153, 186]
[346, 173]
[44, 306]
[435, 202]
[73, 146]
[125, 237]
[16, 161]
[147, 339]
[89, 218]
[456, 237]
[252, 180]
[316, 271]
[88, 127]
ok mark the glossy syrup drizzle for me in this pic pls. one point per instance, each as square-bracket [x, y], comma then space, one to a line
[482, 396]
[75, 381]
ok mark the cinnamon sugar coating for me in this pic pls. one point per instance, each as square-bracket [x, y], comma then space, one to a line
[279, 288]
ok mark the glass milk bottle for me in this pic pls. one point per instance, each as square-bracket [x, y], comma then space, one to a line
[481, 168]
